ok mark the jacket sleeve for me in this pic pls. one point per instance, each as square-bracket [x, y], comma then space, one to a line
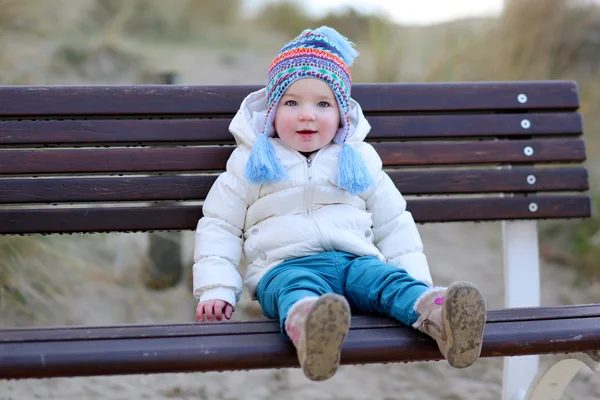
[218, 243]
[395, 231]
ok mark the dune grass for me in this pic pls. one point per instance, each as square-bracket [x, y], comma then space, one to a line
[39, 273]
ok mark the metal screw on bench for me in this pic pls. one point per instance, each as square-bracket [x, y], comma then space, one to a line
[522, 98]
[525, 124]
[531, 179]
[533, 207]
[528, 151]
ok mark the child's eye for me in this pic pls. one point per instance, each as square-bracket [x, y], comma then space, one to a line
[323, 104]
[291, 103]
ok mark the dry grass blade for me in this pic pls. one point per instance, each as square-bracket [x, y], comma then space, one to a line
[386, 50]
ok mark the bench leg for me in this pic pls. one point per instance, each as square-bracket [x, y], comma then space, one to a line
[550, 382]
[522, 289]
[518, 374]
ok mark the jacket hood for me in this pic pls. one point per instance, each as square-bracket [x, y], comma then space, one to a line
[250, 119]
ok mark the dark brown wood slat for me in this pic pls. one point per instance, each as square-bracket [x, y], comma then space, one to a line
[488, 209]
[484, 152]
[105, 189]
[156, 188]
[61, 220]
[184, 99]
[215, 158]
[17, 335]
[486, 181]
[216, 130]
[115, 131]
[447, 126]
[45, 359]
[114, 160]
[542, 313]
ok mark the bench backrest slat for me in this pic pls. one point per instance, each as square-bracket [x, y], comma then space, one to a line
[104, 219]
[194, 187]
[207, 130]
[164, 99]
[215, 158]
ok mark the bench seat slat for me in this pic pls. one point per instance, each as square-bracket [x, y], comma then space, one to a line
[64, 220]
[157, 188]
[168, 353]
[184, 99]
[215, 158]
[17, 335]
[96, 131]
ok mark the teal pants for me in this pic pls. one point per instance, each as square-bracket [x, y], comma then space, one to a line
[369, 285]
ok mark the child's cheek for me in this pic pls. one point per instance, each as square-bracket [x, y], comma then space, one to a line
[287, 126]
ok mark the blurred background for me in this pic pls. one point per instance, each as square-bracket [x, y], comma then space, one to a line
[140, 278]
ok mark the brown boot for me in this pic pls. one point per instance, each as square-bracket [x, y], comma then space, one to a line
[318, 327]
[455, 318]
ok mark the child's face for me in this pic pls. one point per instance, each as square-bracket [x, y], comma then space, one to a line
[307, 116]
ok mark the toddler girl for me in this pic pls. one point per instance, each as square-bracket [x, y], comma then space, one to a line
[306, 205]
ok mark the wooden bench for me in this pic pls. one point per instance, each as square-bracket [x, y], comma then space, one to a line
[141, 158]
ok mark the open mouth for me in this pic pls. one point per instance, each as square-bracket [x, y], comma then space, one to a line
[306, 133]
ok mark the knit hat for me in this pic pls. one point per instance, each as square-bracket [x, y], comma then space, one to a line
[323, 54]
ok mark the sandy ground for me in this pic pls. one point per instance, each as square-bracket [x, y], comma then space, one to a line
[456, 251]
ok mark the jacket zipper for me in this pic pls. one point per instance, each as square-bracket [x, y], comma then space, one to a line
[324, 243]
[308, 191]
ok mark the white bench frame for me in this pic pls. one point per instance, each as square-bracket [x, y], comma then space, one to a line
[522, 377]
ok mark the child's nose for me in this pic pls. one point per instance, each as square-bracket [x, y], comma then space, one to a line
[307, 114]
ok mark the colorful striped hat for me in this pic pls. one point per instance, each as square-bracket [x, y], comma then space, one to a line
[323, 54]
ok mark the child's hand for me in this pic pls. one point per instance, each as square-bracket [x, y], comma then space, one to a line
[216, 308]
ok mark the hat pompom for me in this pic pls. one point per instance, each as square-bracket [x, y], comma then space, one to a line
[353, 174]
[263, 166]
[346, 47]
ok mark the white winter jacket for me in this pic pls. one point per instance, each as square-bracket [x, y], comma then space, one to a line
[263, 225]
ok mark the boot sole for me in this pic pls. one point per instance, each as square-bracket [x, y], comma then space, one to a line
[464, 314]
[327, 325]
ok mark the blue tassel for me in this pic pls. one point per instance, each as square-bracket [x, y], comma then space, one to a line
[263, 166]
[342, 43]
[353, 174]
